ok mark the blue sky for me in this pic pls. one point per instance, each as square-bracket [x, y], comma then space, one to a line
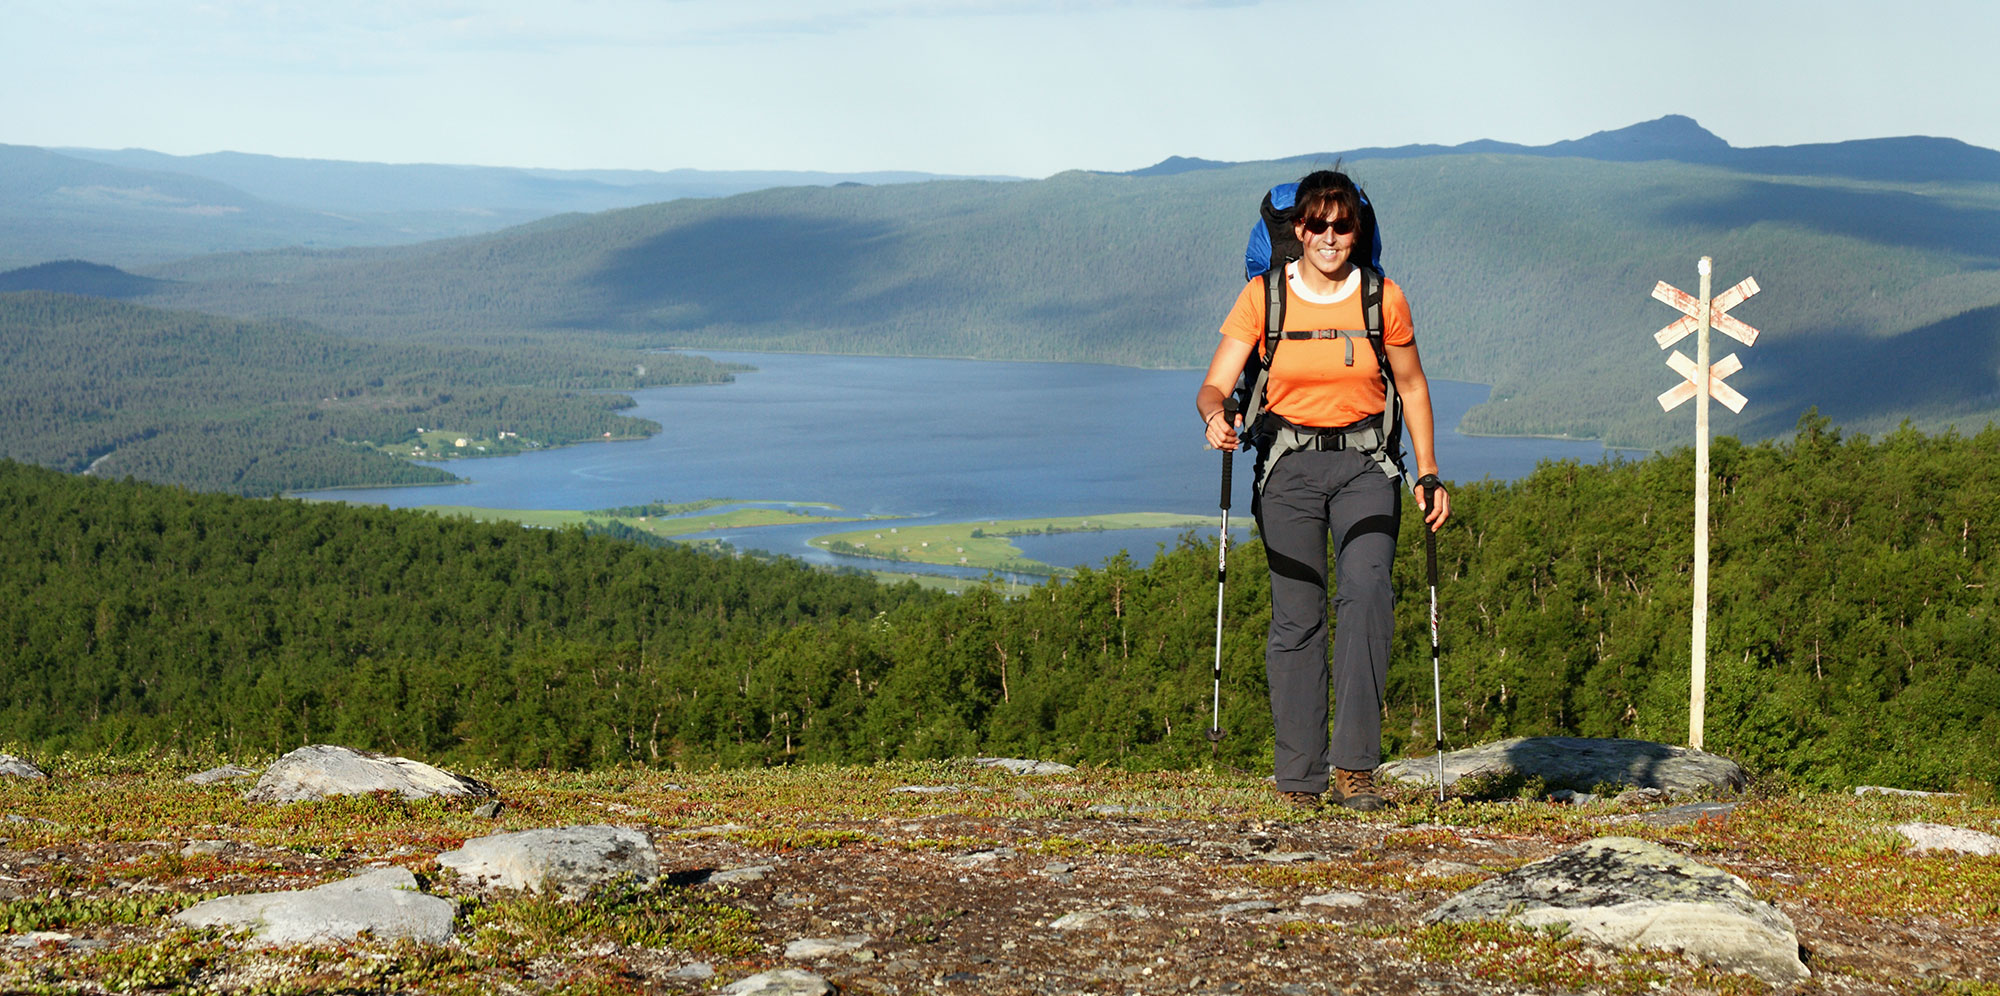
[969, 86]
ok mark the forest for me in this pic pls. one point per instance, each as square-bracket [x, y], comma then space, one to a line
[1851, 620]
[258, 408]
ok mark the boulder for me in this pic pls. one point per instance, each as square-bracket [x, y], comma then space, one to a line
[1023, 766]
[1945, 837]
[14, 767]
[228, 772]
[782, 982]
[568, 860]
[322, 770]
[1628, 893]
[383, 902]
[1578, 762]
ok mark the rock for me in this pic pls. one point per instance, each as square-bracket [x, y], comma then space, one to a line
[693, 970]
[1020, 766]
[1579, 761]
[1688, 813]
[1882, 790]
[1285, 857]
[927, 789]
[322, 770]
[1113, 809]
[488, 810]
[1571, 797]
[1252, 906]
[382, 902]
[1635, 798]
[570, 860]
[1335, 899]
[738, 876]
[782, 982]
[14, 767]
[1628, 893]
[1081, 920]
[228, 772]
[815, 948]
[205, 848]
[1944, 837]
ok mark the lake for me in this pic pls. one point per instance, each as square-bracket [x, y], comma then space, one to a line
[932, 440]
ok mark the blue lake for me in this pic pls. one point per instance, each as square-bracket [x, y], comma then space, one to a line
[932, 440]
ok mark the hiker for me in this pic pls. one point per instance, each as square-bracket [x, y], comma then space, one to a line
[1324, 465]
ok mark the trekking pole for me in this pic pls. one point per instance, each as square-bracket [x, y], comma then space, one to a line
[1221, 575]
[1429, 484]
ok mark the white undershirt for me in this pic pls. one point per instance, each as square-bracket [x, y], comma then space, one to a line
[1340, 293]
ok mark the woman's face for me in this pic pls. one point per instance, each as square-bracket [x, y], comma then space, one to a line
[1329, 249]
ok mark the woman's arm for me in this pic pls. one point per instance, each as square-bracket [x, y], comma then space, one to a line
[1415, 390]
[1223, 371]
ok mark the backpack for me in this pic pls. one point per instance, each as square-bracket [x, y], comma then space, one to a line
[1272, 245]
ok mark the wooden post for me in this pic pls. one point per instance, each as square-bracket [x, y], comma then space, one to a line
[1703, 380]
[1698, 692]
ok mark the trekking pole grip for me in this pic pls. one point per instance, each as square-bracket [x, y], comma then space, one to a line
[1228, 418]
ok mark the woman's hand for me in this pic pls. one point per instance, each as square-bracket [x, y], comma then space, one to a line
[1433, 517]
[1222, 431]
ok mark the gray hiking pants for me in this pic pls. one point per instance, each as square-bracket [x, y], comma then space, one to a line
[1309, 494]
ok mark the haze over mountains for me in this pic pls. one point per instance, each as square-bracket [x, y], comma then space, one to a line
[1530, 269]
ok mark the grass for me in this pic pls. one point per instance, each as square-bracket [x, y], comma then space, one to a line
[746, 515]
[988, 545]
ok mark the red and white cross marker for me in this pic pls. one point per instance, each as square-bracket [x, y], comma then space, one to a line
[1685, 390]
[1691, 307]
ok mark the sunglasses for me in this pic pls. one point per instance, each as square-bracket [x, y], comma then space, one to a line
[1318, 226]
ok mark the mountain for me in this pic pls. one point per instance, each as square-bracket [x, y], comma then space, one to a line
[75, 276]
[136, 206]
[1679, 138]
[1532, 273]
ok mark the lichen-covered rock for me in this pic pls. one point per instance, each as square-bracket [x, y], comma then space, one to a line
[15, 767]
[382, 903]
[323, 770]
[227, 772]
[1023, 766]
[1945, 837]
[1579, 762]
[1628, 893]
[782, 982]
[568, 860]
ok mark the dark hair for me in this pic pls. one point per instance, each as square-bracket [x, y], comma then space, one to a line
[1321, 190]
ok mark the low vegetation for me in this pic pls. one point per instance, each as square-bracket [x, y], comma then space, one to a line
[987, 545]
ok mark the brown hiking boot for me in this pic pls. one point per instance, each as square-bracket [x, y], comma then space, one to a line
[1299, 800]
[1356, 790]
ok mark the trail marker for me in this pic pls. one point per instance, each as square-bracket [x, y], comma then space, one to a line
[1702, 381]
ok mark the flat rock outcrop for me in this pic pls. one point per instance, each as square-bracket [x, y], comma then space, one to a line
[1623, 892]
[783, 982]
[1945, 837]
[1024, 766]
[1578, 762]
[323, 770]
[567, 860]
[383, 902]
[15, 767]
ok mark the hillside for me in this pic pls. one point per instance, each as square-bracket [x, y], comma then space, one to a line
[1528, 271]
[1852, 607]
[89, 385]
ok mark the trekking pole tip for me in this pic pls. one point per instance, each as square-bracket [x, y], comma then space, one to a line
[1214, 735]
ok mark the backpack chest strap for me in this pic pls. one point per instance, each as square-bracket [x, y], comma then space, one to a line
[1349, 335]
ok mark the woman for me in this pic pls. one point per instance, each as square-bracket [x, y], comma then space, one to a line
[1327, 396]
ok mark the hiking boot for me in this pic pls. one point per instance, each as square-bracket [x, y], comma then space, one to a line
[1356, 790]
[1299, 800]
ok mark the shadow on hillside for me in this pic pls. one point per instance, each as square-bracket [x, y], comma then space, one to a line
[1890, 217]
[788, 269]
[1948, 366]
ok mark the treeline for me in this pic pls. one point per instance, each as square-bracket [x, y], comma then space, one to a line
[1852, 612]
[261, 407]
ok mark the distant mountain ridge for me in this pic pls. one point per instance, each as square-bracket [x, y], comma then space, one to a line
[1678, 138]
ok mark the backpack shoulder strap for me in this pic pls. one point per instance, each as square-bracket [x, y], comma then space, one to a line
[1274, 309]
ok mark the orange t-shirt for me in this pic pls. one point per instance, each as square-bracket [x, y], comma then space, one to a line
[1311, 383]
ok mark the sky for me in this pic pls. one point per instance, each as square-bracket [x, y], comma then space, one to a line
[988, 87]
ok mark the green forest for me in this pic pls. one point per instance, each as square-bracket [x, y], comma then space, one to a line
[1851, 623]
[258, 408]
[1881, 299]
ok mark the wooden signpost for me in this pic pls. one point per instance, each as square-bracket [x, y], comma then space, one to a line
[1703, 380]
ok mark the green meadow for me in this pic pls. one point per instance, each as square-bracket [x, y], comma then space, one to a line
[987, 544]
[742, 516]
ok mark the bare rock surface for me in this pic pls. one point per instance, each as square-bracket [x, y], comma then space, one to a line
[783, 982]
[1023, 766]
[227, 772]
[15, 767]
[383, 902]
[322, 770]
[1578, 762]
[1623, 892]
[1945, 837]
[568, 860]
